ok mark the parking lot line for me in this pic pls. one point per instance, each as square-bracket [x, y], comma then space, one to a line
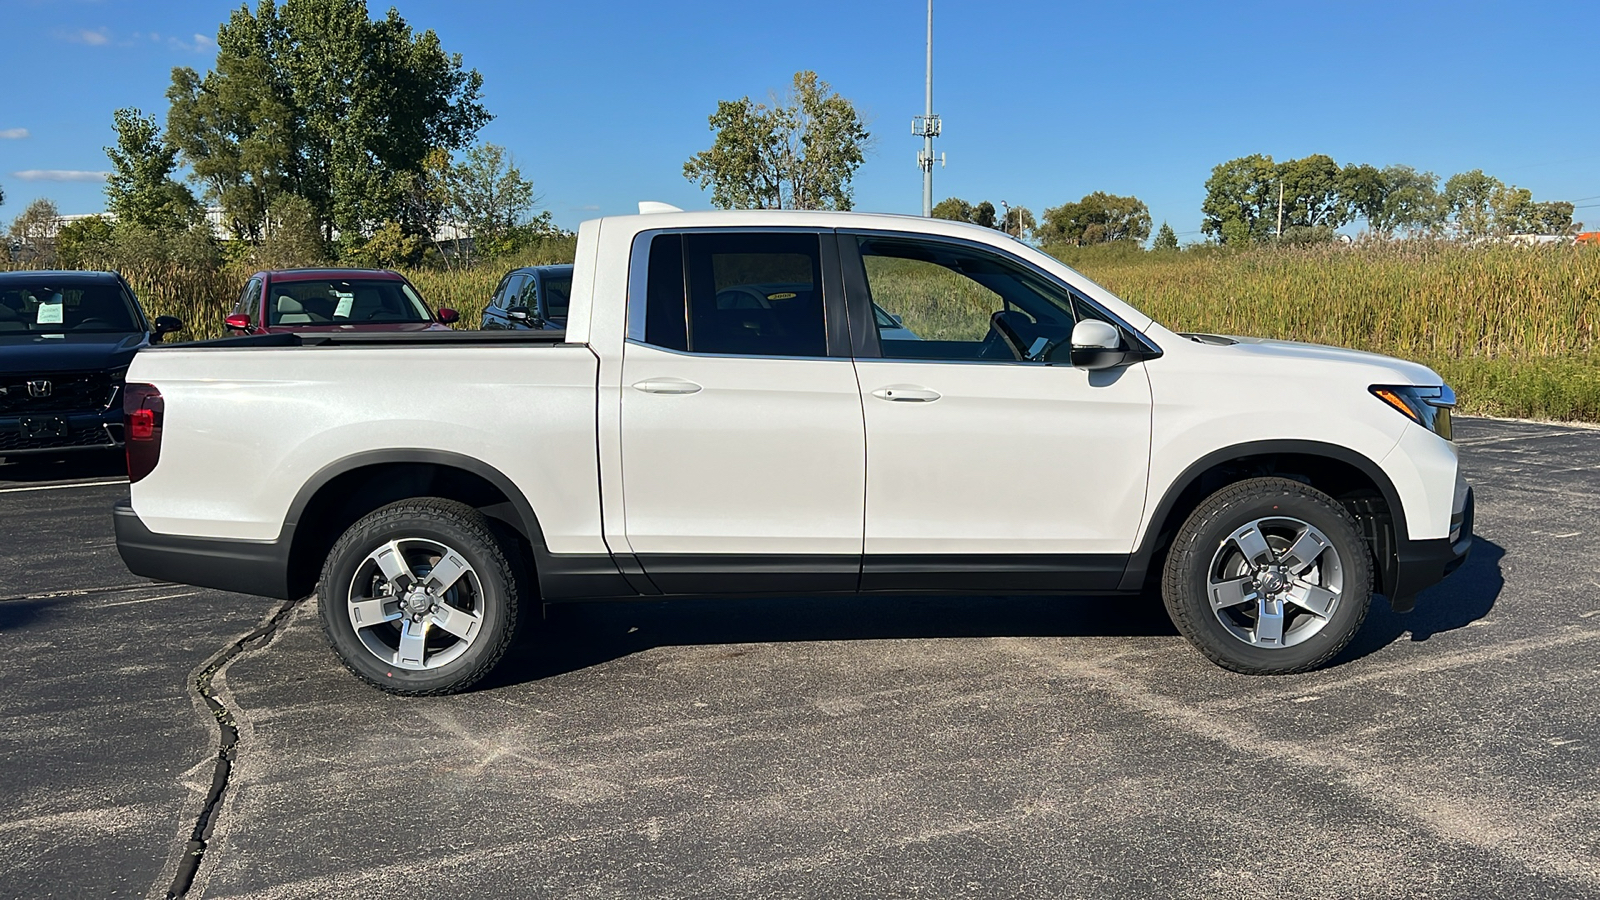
[57, 487]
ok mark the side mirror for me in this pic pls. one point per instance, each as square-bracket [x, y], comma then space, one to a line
[166, 325]
[238, 322]
[1096, 345]
[448, 316]
[519, 314]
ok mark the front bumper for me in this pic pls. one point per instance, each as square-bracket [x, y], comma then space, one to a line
[246, 567]
[55, 432]
[1420, 565]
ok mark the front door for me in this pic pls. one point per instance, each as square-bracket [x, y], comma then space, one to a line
[743, 448]
[989, 467]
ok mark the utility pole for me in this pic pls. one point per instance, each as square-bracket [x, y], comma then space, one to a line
[1280, 208]
[926, 126]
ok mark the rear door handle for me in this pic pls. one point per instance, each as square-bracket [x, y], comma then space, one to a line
[667, 386]
[906, 394]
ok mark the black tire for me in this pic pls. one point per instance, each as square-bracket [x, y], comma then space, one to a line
[492, 595]
[1186, 577]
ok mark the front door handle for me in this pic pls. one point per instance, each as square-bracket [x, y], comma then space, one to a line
[906, 394]
[667, 386]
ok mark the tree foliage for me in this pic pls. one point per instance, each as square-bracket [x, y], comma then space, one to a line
[799, 152]
[1018, 222]
[488, 195]
[315, 98]
[1395, 198]
[953, 208]
[85, 243]
[1098, 218]
[1166, 238]
[140, 191]
[35, 230]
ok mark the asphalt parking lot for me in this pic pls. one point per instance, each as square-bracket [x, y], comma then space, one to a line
[906, 747]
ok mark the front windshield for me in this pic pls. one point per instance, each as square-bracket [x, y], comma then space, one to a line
[352, 301]
[557, 291]
[65, 307]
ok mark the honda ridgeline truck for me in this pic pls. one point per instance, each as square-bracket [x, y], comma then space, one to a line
[764, 403]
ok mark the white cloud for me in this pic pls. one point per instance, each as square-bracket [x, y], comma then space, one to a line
[96, 38]
[13, 134]
[59, 175]
[199, 43]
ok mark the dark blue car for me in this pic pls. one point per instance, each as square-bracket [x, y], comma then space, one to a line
[533, 298]
[66, 339]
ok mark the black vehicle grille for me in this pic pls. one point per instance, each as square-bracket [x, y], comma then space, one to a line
[76, 436]
[62, 392]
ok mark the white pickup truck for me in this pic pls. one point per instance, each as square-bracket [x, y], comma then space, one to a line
[767, 403]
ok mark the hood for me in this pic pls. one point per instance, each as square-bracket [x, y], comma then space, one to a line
[1265, 351]
[22, 353]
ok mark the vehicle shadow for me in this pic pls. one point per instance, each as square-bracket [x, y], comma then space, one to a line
[1461, 599]
[575, 636]
[65, 467]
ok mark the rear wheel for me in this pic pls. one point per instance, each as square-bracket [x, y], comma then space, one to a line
[1267, 577]
[419, 597]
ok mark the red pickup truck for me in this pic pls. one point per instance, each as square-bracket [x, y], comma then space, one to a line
[338, 300]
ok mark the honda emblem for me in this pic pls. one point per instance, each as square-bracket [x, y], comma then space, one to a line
[40, 388]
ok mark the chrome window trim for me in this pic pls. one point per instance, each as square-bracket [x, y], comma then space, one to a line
[660, 349]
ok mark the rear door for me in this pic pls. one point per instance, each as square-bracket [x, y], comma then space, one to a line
[743, 447]
[989, 467]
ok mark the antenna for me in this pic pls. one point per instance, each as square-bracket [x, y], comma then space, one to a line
[927, 127]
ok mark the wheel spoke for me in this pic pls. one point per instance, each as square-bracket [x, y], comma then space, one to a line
[1312, 598]
[411, 651]
[1253, 544]
[367, 613]
[1231, 593]
[1305, 551]
[1269, 622]
[392, 563]
[445, 572]
[461, 624]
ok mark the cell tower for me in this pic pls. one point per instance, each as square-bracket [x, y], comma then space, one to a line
[926, 126]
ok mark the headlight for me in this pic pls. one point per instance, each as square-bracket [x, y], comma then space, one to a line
[1427, 406]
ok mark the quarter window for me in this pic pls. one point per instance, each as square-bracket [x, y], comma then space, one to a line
[746, 294]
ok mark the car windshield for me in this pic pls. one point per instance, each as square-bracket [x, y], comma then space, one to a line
[352, 301]
[557, 291]
[65, 307]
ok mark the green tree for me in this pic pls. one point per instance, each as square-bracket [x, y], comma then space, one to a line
[1394, 198]
[1470, 197]
[954, 209]
[317, 99]
[1241, 200]
[1018, 222]
[1310, 194]
[984, 214]
[85, 243]
[1096, 219]
[798, 153]
[1166, 238]
[35, 230]
[291, 237]
[490, 197]
[140, 191]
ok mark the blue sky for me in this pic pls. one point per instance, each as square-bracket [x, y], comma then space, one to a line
[601, 103]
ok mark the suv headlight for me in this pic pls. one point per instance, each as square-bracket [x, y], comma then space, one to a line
[1427, 406]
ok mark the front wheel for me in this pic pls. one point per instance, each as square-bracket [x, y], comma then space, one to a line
[419, 597]
[1268, 577]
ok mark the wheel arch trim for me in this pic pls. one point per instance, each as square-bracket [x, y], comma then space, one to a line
[1139, 563]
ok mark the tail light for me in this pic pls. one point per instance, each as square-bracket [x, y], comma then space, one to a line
[141, 416]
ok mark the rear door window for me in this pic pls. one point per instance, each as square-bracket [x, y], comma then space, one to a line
[742, 294]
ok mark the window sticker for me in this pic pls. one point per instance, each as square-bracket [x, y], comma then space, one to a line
[346, 300]
[50, 313]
